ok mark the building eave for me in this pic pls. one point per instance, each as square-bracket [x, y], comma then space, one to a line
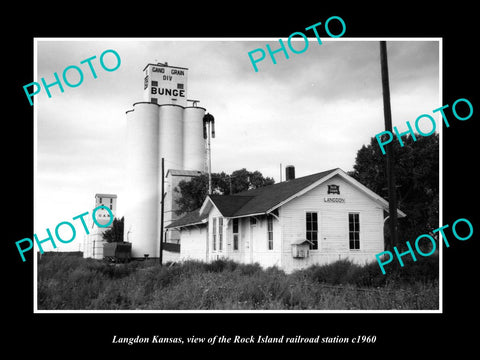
[179, 227]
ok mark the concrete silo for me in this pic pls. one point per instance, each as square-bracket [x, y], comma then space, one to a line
[171, 136]
[193, 141]
[142, 198]
[162, 126]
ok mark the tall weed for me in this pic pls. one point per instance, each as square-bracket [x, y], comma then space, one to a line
[66, 282]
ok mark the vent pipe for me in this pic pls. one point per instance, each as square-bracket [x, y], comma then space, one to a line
[289, 172]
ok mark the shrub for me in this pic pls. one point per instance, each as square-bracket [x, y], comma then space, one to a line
[370, 275]
[339, 272]
[249, 269]
[221, 265]
[425, 269]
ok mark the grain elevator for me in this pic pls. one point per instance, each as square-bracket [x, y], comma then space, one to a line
[93, 241]
[164, 125]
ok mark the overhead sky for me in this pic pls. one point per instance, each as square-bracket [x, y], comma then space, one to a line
[314, 110]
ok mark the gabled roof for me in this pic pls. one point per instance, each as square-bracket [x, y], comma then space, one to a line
[301, 242]
[266, 199]
[229, 205]
[269, 197]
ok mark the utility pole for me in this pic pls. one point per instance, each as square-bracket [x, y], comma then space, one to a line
[160, 258]
[392, 195]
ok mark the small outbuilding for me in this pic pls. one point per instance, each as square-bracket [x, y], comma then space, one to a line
[315, 219]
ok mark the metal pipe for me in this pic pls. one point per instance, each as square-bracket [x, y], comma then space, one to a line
[209, 120]
[161, 211]
[209, 160]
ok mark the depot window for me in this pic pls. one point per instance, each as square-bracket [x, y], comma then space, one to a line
[220, 234]
[235, 234]
[354, 230]
[270, 231]
[214, 234]
[312, 229]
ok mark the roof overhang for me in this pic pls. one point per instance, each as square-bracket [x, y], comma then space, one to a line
[301, 242]
[196, 223]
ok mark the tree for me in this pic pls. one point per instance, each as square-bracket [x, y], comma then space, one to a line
[243, 180]
[257, 180]
[115, 233]
[417, 180]
[194, 191]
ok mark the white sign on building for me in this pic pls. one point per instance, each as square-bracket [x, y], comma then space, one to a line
[165, 84]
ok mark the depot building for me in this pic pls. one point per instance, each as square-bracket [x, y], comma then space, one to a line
[315, 219]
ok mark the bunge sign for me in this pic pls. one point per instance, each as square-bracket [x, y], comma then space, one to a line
[165, 84]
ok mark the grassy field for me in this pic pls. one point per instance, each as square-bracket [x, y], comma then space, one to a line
[74, 283]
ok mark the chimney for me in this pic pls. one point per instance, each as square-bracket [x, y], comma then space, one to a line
[289, 172]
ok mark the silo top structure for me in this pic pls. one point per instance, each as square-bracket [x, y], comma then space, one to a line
[109, 201]
[165, 84]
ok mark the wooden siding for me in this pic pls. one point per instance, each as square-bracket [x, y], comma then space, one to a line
[193, 244]
[333, 232]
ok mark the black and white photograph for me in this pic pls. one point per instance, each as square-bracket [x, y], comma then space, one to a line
[274, 186]
[185, 178]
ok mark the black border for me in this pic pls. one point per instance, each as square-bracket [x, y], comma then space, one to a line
[91, 334]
